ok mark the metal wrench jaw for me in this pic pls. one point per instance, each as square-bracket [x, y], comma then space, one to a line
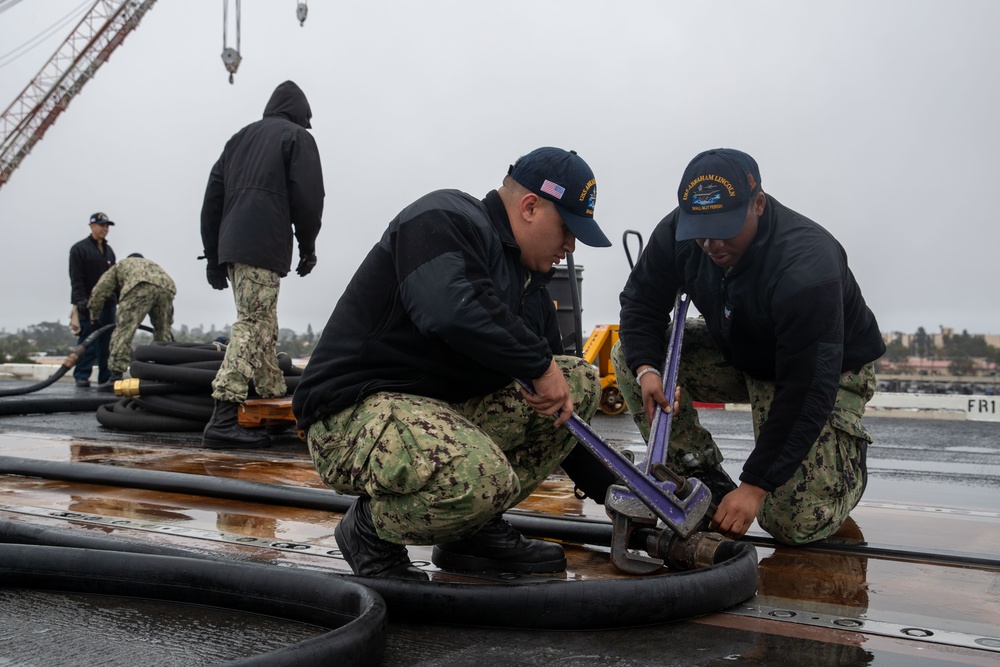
[629, 513]
[681, 514]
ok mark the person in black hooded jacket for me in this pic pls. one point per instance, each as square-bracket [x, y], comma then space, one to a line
[266, 187]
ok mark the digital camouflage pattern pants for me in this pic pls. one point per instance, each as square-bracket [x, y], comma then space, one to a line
[143, 299]
[826, 486]
[251, 353]
[437, 471]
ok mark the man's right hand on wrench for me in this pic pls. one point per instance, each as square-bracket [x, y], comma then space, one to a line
[551, 394]
[651, 384]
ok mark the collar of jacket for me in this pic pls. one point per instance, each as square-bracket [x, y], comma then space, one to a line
[498, 216]
[102, 249]
[765, 228]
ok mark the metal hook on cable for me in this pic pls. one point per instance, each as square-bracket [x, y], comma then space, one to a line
[230, 57]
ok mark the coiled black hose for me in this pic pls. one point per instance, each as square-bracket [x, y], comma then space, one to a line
[174, 388]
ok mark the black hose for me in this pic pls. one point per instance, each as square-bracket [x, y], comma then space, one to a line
[154, 388]
[171, 373]
[39, 406]
[184, 375]
[198, 357]
[18, 532]
[66, 365]
[354, 615]
[195, 408]
[554, 605]
[127, 415]
[177, 353]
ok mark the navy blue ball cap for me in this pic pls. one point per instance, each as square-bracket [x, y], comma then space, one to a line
[567, 181]
[714, 194]
[100, 219]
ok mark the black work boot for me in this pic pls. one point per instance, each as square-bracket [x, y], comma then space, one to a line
[716, 479]
[498, 547]
[367, 553]
[223, 430]
[115, 376]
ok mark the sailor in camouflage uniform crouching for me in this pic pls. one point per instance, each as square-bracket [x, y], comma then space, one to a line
[409, 399]
[783, 327]
[826, 485]
[143, 288]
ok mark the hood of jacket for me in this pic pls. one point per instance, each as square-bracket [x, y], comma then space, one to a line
[289, 102]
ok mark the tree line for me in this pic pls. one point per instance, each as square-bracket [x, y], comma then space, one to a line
[960, 349]
[54, 339]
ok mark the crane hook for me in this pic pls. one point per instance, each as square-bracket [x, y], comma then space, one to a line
[301, 11]
[230, 57]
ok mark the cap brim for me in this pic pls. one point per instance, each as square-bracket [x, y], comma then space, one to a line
[710, 225]
[585, 230]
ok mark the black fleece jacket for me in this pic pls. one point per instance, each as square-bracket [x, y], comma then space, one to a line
[267, 183]
[438, 308]
[87, 263]
[789, 312]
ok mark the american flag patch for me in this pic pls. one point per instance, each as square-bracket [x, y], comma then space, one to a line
[551, 188]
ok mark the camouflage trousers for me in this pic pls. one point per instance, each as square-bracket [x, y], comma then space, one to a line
[251, 353]
[437, 471]
[827, 484]
[144, 299]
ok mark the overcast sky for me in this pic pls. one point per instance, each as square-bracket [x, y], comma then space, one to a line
[877, 119]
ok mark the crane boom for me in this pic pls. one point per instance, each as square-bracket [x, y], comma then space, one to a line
[74, 63]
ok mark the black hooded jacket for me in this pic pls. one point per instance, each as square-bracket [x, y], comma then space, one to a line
[789, 312]
[267, 184]
[438, 308]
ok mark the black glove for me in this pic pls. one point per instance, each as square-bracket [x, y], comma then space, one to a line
[306, 264]
[217, 275]
[83, 312]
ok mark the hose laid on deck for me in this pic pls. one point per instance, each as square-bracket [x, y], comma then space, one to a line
[354, 616]
[559, 605]
[64, 368]
[52, 405]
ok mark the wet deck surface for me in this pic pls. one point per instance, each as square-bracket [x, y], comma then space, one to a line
[919, 557]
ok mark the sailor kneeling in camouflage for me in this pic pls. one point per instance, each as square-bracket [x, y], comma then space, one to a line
[409, 399]
[783, 327]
